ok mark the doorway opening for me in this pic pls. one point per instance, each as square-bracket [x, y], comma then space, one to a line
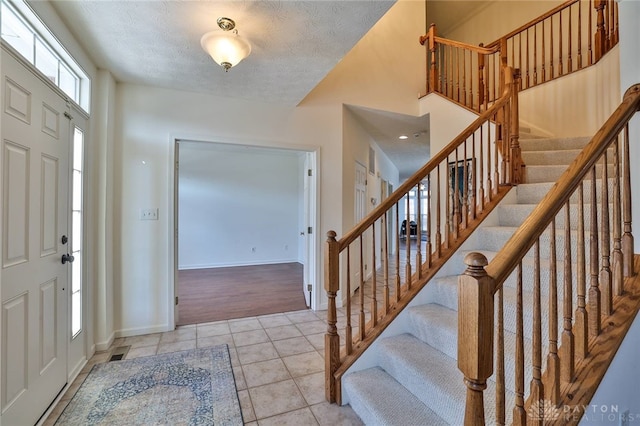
[244, 218]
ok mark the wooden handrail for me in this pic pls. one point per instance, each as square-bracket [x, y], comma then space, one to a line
[488, 50]
[430, 166]
[458, 188]
[533, 22]
[522, 240]
[591, 330]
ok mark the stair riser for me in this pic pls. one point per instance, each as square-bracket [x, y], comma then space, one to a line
[536, 174]
[534, 193]
[514, 214]
[550, 144]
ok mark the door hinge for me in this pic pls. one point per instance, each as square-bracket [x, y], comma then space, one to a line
[309, 230]
[309, 172]
[176, 300]
[69, 116]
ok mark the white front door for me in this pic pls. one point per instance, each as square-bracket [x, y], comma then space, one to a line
[33, 285]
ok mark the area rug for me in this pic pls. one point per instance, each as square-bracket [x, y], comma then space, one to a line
[194, 387]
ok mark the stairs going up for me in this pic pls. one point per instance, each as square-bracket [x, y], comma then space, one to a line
[417, 381]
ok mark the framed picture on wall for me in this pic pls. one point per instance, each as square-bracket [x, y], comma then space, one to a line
[372, 161]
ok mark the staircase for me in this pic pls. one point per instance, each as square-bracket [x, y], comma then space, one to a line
[417, 380]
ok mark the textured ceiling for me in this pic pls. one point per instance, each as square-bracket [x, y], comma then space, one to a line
[294, 43]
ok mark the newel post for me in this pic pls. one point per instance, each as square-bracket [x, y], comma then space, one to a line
[433, 75]
[600, 36]
[475, 334]
[331, 339]
[514, 132]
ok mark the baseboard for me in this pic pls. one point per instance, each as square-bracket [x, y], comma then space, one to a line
[128, 332]
[103, 346]
[228, 265]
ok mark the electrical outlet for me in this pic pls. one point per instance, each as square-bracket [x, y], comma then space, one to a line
[149, 214]
[309, 288]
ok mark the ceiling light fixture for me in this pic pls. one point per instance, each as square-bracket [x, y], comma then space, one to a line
[227, 48]
[403, 137]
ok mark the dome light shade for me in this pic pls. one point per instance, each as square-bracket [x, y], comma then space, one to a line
[227, 48]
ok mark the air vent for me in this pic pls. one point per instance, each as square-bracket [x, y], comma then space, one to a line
[118, 354]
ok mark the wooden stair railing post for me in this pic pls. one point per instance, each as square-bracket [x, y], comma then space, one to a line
[332, 339]
[516, 154]
[475, 333]
[600, 35]
[433, 74]
[481, 82]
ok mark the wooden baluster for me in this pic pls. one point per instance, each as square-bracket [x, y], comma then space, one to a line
[616, 31]
[448, 210]
[496, 173]
[516, 153]
[600, 40]
[519, 413]
[607, 26]
[472, 201]
[464, 77]
[489, 183]
[536, 393]
[475, 334]
[398, 281]
[594, 290]
[385, 263]
[438, 214]
[481, 82]
[374, 297]
[605, 238]
[500, 372]
[419, 230]
[551, 71]
[568, 343]
[433, 79]
[579, 35]
[348, 339]
[589, 42]
[582, 316]
[457, 74]
[361, 319]
[331, 339]
[535, 55]
[627, 237]
[429, 216]
[407, 240]
[465, 188]
[480, 173]
[569, 53]
[553, 362]
[450, 72]
[527, 61]
[618, 276]
[520, 56]
[544, 74]
[560, 43]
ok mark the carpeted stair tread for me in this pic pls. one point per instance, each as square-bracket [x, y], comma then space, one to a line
[380, 400]
[435, 325]
[423, 360]
[430, 375]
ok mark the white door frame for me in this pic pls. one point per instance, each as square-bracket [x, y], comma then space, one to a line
[172, 208]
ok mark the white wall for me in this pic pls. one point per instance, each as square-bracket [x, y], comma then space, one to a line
[237, 205]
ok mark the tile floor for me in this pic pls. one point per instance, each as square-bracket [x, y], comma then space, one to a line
[277, 362]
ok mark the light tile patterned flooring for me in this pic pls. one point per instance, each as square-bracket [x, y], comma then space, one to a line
[278, 363]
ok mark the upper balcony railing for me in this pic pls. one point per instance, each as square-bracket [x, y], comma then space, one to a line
[568, 38]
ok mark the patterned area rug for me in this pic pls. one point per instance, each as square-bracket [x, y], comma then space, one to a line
[194, 387]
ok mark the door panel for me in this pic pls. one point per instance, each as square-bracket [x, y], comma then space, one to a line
[35, 149]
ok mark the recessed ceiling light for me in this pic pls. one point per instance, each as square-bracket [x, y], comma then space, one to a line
[403, 137]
